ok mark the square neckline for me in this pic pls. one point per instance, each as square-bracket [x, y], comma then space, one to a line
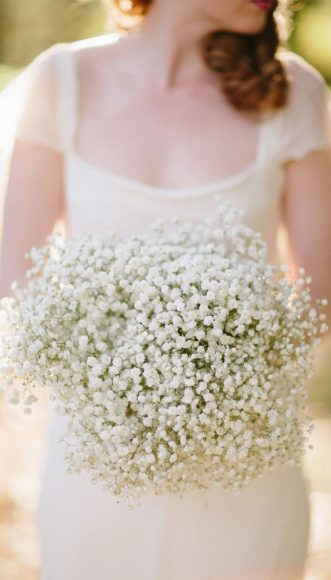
[70, 152]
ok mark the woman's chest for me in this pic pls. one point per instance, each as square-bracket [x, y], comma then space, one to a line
[99, 201]
[178, 138]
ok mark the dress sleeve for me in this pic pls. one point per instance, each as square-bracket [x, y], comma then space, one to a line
[38, 121]
[306, 121]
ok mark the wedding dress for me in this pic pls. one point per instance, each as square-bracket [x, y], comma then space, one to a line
[85, 533]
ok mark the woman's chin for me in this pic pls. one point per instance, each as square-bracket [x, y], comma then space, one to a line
[251, 26]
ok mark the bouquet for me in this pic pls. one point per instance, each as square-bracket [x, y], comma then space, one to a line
[179, 356]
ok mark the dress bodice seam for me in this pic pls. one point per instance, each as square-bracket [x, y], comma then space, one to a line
[132, 185]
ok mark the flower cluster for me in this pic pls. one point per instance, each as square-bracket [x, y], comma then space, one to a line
[179, 356]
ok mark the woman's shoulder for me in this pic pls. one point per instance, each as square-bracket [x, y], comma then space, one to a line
[95, 48]
[94, 41]
[304, 78]
[309, 95]
[303, 122]
[46, 60]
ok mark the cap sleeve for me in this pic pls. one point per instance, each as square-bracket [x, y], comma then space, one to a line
[38, 122]
[306, 120]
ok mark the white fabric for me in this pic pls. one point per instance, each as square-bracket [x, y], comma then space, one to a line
[27, 104]
[302, 126]
[305, 124]
[215, 535]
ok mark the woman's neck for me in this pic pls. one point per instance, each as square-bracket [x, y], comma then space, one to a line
[167, 42]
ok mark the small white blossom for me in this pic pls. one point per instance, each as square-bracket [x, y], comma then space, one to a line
[180, 357]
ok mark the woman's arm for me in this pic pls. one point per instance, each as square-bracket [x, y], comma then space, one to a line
[306, 214]
[34, 204]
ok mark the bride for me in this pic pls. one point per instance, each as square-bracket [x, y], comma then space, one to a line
[197, 98]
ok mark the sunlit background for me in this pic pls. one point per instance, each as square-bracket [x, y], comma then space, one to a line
[27, 27]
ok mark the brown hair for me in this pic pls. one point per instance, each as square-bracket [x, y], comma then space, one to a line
[251, 76]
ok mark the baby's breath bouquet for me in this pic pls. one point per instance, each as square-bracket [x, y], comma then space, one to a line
[179, 356]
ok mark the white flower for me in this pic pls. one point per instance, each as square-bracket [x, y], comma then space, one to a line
[188, 395]
[179, 357]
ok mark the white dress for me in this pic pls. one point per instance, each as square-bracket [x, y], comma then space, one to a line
[85, 534]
